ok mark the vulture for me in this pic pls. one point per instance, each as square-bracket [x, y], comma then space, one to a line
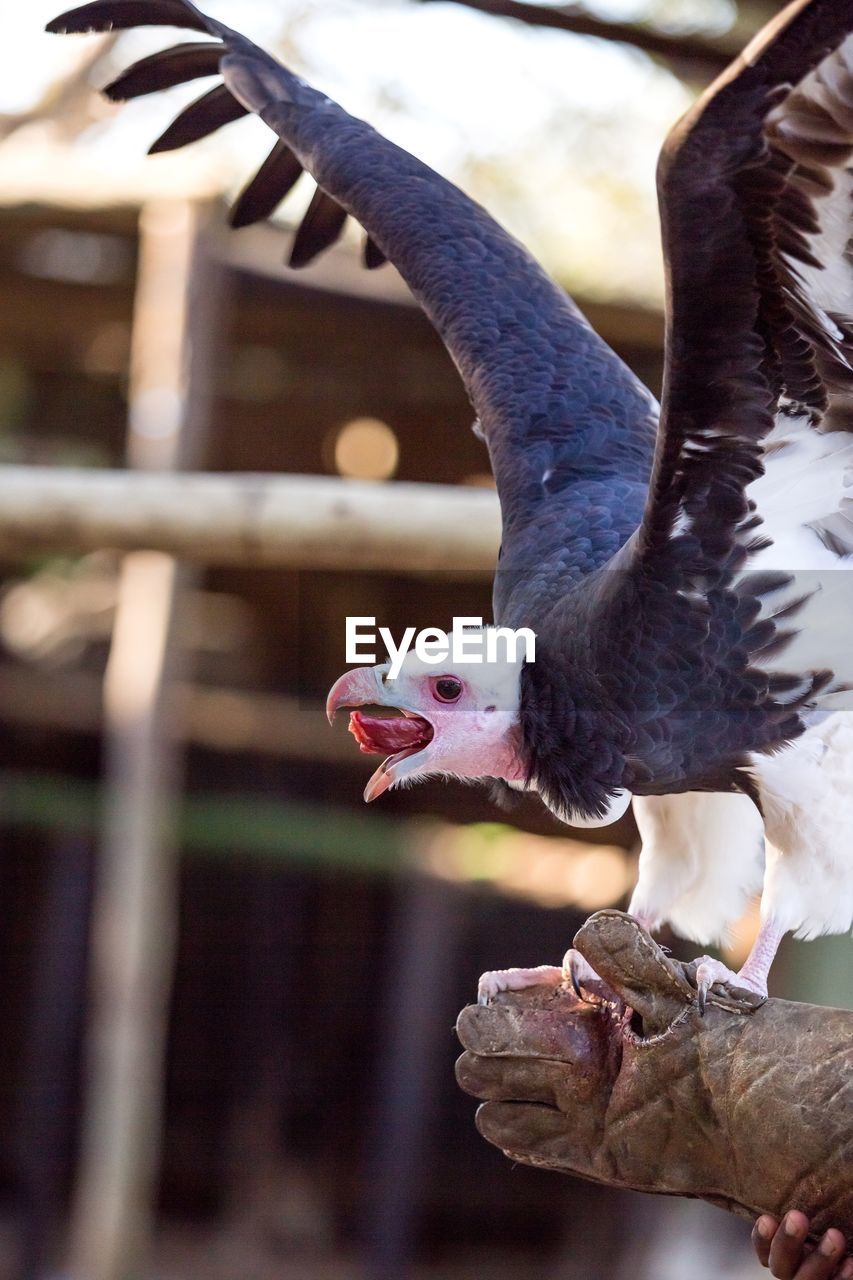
[685, 567]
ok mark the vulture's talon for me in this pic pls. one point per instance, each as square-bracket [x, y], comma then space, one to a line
[578, 971]
[710, 971]
[575, 981]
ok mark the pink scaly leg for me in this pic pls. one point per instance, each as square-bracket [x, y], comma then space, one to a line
[753, 975]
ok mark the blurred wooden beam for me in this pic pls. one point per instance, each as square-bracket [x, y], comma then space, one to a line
[216, 719]
[262, 251]
[296, 522]
[135, 915]
[693, 57]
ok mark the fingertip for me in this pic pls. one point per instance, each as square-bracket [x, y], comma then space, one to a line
[795, 1224]
[846, 1272]
[789, 1245]
[762, 1237]
[832, 1243]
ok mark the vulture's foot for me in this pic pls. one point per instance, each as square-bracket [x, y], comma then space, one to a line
[574, 970]
[753, 976]
[543, 975]
[710, 971]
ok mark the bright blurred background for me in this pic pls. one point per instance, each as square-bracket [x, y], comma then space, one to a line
[228, 989]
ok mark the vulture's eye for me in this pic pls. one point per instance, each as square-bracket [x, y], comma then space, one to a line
[447, 689]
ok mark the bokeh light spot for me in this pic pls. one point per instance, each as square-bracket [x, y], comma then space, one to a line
[366, 449]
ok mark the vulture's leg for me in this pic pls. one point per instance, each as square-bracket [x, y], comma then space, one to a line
[756, 967]
[752, 976]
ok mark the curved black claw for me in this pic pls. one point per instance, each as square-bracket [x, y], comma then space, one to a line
[575, 981]
[709, 972]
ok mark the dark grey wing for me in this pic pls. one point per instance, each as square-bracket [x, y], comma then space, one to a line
[569, 429]
[741, 182]
[709, 633]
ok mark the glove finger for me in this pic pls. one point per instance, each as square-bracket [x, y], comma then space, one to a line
[631, 962]
[523, 1025]
[556, 1084]
[534, 1134]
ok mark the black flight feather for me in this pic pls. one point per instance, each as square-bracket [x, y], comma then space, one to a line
[201, 118]
[163, 70]
[321, 226]
[262, 196]
[118, 15]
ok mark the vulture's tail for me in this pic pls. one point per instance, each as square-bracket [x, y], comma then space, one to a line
[252, 82]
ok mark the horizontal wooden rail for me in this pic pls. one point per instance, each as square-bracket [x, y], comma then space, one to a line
[294, 522]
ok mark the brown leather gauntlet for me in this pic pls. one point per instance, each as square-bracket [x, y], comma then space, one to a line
[749, 1107]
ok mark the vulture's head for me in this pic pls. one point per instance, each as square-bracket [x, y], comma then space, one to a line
[459, 721]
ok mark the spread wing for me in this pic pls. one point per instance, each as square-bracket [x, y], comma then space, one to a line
[726, 620]
[569, 429]
[755, 192]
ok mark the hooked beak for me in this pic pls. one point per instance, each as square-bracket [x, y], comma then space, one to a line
[356, 688]
[364, 686]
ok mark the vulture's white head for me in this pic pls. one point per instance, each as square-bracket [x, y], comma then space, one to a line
[461, 721]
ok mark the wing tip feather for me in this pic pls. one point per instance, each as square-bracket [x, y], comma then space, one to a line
[180, 64]
[117, 15]
[322, 225]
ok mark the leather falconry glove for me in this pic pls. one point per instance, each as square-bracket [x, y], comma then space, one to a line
[749, 1107]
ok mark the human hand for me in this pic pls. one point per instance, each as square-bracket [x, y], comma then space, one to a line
[784, 1248]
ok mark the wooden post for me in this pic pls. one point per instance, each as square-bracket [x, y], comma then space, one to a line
[136, 896]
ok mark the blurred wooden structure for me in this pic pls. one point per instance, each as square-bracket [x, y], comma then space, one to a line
[279, 522]
[135, 911]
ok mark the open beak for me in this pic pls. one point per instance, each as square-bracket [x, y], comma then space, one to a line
[401, 738]
[379, 782]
